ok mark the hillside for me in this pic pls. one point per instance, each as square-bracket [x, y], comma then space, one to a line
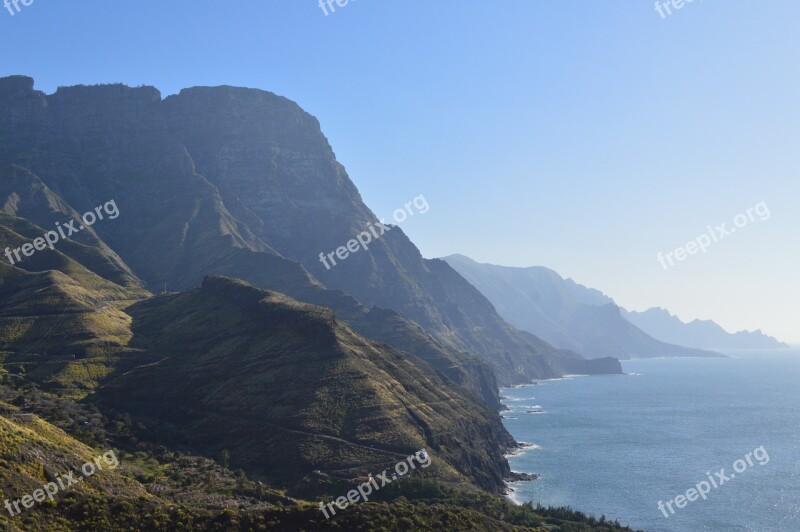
[288, 390]
[306, 391]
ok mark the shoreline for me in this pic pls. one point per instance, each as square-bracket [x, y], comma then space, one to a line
[517, 476]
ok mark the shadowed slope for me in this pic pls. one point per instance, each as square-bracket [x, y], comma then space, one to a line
[287, 390]
[214, 171]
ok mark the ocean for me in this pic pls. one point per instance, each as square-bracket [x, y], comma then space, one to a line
[619, 445]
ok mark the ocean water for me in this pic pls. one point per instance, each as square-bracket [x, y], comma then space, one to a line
[617, 445]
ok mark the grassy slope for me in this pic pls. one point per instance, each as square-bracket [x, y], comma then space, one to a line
[25, 200]
[63, 330]
[61, 324]
[33, 452]
[287, 390]
[360, 371]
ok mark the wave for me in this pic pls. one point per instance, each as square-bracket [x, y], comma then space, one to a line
[522, 449]
[511, 495]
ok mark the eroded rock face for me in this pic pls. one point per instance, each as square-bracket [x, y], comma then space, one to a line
[212, 179]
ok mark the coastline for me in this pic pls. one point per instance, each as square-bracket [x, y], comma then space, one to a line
[581, 413]
[517, 477]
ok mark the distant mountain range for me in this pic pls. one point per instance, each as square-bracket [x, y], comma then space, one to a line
[703, 334]
[572, 316]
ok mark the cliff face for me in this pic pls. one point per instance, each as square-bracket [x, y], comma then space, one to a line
[242, 183]
[213, 180]
[277, 170]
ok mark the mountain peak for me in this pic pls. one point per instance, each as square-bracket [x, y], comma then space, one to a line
[108, 91]
[16, 83]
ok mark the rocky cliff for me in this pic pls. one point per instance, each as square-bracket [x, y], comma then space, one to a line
[213, 180]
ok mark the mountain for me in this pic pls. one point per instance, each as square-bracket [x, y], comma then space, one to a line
[702, 334]
[242, 183]
[280, 386]
[288, 390]
[259, 384]
[562, 312]
[68, 330]
[61, 321]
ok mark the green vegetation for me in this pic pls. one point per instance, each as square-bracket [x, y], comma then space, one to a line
[221, 423]
[304, 394]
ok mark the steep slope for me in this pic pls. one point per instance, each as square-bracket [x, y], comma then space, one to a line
[49, 452]
[62, 331]
[271, 156]
[33, 453]
[703, 334]
[24, 195]
[272, 272]
[84, 262]
[61, 325]
[214, 172]
[288, 390]
[563, 312]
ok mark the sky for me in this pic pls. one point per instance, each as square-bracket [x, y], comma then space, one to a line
[587, 137]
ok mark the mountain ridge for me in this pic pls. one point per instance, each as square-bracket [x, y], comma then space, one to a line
[243, 172]
[704, 334]
[302, 382]
[564, 312]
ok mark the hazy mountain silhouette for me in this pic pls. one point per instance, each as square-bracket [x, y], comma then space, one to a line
[563, 312]
[703, 334]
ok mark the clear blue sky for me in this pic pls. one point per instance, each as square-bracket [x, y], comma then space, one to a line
[583, 136]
